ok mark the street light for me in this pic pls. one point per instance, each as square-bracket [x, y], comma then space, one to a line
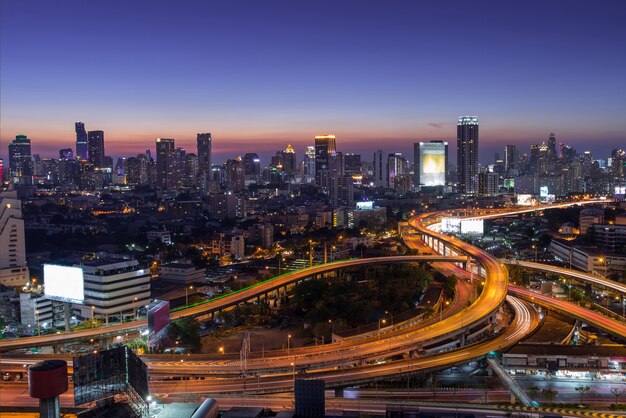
[221, 350]
[382, 320]
[534, 247]
[38, 327]
[288, 342]
[92, 309]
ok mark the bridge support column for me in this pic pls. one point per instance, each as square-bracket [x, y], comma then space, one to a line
[512, 399]
[338, 392]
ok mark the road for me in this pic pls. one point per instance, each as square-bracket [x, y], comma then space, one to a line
[574, 274]
[571, 309]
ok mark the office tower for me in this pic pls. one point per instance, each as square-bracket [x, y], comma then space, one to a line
[13, 270]
[95, 142]
[235, 174]
[352, 163]
[431, 160]
[325, 148]
[396, 167]
[252, 164]
[192, 168]
[204, 154]
[488, 183]
[1, 170]
[164, 163]
[552, 146]
[20, 159]
[82, 147]
[380, 170]
[309, 161]
[510, 158]
[467, 154]
[288, 158]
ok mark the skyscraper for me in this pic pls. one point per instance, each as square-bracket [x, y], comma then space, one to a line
[325, 147]
[431, 162]
[288, 157]
[82, 149]
[380, 170]
[309, 161]
[164, 162]
[467, 154]
[204, 154]
[13, 269]
[20, 159]
[95, 142]
[510, 158]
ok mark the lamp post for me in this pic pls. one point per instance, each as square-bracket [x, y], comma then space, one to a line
[288, 343]
[382, 320]
[221, 350]
[310, 253]
[534, 247]
[293, 373]
[38, 327]
[187, 294]
[92, 309]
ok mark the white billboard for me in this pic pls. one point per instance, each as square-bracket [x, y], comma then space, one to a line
[543, 191]
[471, 226]
[63, 283]
[451, 225]
[365, 205]
[525, 200]
[620, 192]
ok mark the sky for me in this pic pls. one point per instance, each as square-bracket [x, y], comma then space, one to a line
[262, 74]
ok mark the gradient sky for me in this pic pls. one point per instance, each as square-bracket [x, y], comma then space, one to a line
[260, 74]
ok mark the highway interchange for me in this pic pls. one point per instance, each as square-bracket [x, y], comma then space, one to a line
[349, 362]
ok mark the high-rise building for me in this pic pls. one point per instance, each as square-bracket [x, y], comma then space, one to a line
[488, 183]
[20, 159]
[510, 158]
[288, 157]
[325, 148]
[309, 161]
[431, 160]
[252, 165]
[165, 164]
[82, 147]
[396, 168]
[204, 141]
[380, 170]
[352, 163]
[467, 154]
[13, 270]
[95, 141]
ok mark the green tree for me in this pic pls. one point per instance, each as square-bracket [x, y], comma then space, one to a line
[186, 330]
[617, 392]
[582, 389]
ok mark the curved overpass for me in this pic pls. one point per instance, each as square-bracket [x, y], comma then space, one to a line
[574, 274]
[217, 304]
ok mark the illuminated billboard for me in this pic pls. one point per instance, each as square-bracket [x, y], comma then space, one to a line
[472, 226]
[451, 225]
[432, 163]
[63, 283]
[525, 200]
[158, 316]
[365, 205]
[620, 192]
[543, 191]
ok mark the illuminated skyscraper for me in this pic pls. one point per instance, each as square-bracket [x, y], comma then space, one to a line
[20, 159]
[95, 142]
[431, 160]
[325, 148]
[165, 163]
[82, 148]
[467, 154]
[204, 141]
[510, 158]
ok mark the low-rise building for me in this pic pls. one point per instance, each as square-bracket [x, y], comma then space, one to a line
[164, 236]
[181, 273]
[587, 258]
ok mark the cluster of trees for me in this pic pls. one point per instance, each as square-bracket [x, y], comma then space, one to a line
[248, 314]
[352, 298]
[187, 331]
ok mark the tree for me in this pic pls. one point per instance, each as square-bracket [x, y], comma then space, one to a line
[533, 391]
[617, 392]
[187, 330]
[582, 389]
[549, 394]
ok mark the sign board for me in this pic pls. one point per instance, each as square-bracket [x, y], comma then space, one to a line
[63, 283]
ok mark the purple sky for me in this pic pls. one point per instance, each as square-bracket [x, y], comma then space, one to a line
[261, 74]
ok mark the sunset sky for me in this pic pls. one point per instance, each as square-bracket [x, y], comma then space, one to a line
[261, 74]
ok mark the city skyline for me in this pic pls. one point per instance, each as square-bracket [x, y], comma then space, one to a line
[260, 78]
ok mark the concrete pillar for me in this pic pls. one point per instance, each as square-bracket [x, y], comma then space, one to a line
[338, 392]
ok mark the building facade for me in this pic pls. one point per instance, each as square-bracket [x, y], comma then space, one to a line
[467, 154]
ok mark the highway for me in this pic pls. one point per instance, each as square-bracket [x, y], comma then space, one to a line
[214, 305]
[571, 309]
[574, 274]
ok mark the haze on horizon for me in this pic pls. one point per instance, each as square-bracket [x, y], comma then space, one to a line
[260, 75]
